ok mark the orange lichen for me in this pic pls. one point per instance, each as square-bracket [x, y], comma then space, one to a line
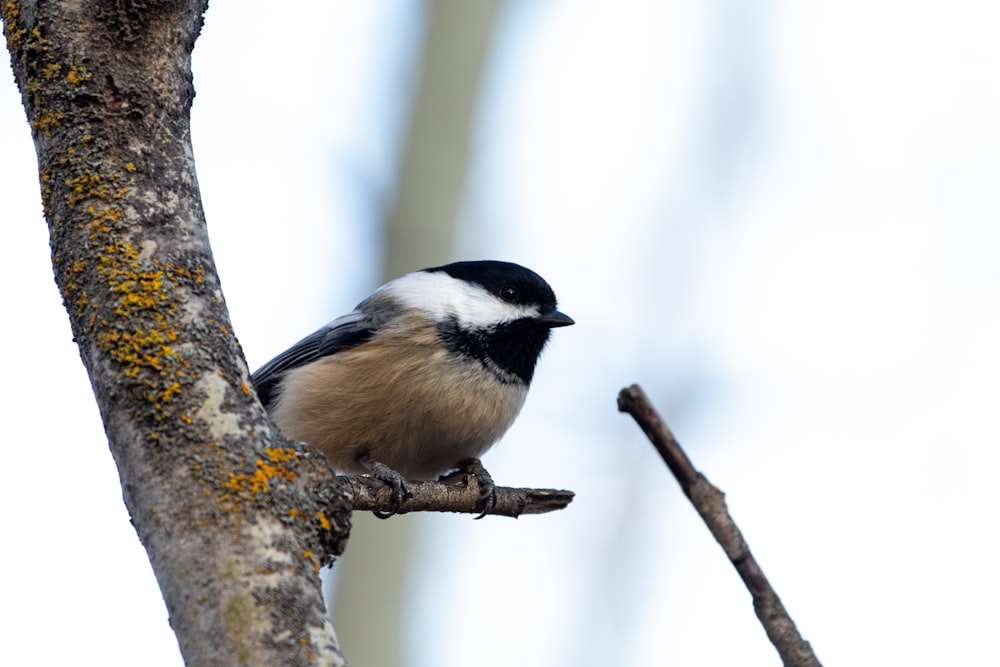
[167, 393]
[260, 481]
[266, 473]
[312, 559]
[84, 186]
[138, 349]
[281, 454]
[142, 288]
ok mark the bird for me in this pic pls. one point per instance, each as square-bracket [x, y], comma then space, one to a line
[421, 378]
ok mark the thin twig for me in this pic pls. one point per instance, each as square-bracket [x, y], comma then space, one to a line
[456, 493]
[710, 503]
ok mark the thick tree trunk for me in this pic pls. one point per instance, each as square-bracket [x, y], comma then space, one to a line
[235, 519]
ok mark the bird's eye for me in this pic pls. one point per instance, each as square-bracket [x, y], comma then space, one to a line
[508, 293]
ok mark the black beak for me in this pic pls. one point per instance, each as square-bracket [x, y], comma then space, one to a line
[556, 319]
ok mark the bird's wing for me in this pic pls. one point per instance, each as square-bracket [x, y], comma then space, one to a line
[341, 334]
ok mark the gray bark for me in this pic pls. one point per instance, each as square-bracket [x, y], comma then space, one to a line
[235, 519]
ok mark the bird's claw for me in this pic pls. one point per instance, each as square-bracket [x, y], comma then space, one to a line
[487, 488]
[396, 483]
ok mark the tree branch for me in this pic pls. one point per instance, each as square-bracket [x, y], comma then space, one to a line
[456, 493]
[710, 503]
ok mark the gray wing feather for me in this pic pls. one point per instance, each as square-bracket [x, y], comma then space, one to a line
[341, 334]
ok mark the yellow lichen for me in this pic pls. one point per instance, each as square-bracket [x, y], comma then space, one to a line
[236, 484]
[138, 349]
[45, 120]
[259, 482]
[84, 186]
[15, 36]
[311, 558]
[141, 288]
[167, 393]
[281, 454]
[267, 473]
[77, 75]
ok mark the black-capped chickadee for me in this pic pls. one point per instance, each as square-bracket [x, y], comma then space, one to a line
[422, 377]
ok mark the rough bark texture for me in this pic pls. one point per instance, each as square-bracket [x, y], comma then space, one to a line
[236, 520]
[710, 503]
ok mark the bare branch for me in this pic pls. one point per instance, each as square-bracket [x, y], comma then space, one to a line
[456, 493]
[710, 503]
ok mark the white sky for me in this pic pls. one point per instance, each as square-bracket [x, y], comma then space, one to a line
[782, 218]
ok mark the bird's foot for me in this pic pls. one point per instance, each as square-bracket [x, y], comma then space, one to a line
[391, 478]
[487, 489]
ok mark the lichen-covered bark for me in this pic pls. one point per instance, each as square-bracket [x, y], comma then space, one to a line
[235, 519]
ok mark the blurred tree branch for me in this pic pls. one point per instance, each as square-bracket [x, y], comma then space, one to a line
[419, 230]
[710, 504]
[420, 227]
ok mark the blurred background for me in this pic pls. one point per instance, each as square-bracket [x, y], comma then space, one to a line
[782, 218]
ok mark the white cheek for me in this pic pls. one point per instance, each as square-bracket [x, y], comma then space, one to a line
[477, 308]
[445, 297]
